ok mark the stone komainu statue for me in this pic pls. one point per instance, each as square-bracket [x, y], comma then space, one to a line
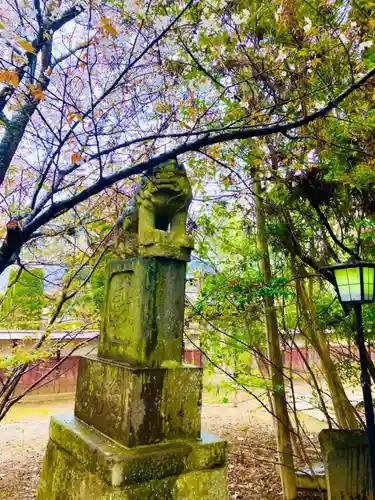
[155, 223]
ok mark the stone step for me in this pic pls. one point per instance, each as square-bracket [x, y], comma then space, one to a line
[119, 465]
[312, 478]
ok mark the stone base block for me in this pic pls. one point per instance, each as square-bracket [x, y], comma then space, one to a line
[83, 464]
[346, 463]
[144, 311]
[138, 406]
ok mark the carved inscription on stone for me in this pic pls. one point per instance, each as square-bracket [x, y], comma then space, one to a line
[119, 307]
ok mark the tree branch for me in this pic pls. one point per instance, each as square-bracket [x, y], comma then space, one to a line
[16, 126]
[339, 243]
[60, 207]
[246, 133]
[66, 16]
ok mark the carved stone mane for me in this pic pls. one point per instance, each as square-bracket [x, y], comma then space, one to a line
[155, 223]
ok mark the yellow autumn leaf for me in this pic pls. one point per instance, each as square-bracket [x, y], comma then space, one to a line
[9, 77]
[315, 62]
[14, 79]
[372, 23]
[111, 30]
[71, 116]
[26, 45]
[38, 94]
[107, 26]
[76, 157]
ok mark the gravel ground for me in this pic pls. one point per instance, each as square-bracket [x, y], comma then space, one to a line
[252, 474]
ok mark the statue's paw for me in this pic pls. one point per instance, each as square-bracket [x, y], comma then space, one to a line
[151, 237]
[185, 241]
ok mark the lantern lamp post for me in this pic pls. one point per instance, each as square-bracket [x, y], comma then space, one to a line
[355, 285]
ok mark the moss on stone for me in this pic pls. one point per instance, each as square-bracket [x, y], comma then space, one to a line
[119, 465]
[155, 225]
[136, 392]
[65, 478]
[139, 406]
[345, 456]
[144, 311]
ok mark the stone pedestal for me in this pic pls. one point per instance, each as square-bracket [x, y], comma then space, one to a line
[136, 434]
[144, 311]
[136, 431]
[139, 406]
[346, 463]
[83, 464]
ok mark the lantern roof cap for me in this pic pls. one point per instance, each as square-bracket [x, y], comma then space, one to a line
[349, 264]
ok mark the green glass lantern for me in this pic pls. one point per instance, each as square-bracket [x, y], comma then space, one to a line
[354, 281]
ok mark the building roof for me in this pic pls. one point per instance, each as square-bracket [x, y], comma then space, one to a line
[37, 334]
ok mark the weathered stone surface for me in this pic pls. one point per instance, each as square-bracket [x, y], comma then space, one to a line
[346, 462]
[144, 311]
[139, 406]
[119, 465]
[155, 223]
[82, 464]
[137, 392]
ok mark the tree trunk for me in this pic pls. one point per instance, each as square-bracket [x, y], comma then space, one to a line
[344, 411]
[283, 435]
